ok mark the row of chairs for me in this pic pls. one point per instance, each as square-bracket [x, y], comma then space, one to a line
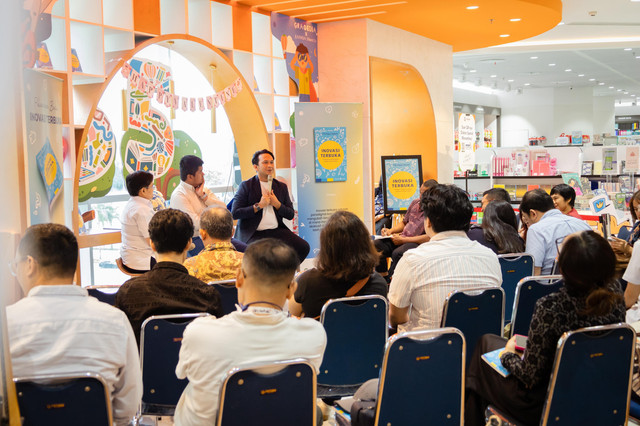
[421, 382]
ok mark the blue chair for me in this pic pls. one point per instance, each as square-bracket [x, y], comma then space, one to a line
[624, 232]
[160, 341]
[528, 291]
[66, 399]
[422, 379]
[474, 312]
[514, 267]
[357, 329]
[278, 393]
[591, 378]
[228, 294]
[104, 293]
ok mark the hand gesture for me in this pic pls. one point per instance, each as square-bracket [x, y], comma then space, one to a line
[265, 200]
[397, 239]
[273, 200]
[385, 231]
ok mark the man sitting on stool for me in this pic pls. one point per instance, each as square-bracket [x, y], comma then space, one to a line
[260, 205]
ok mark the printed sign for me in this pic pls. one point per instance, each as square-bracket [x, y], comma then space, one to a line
[331, 154]
[401, 177]
[467, 140]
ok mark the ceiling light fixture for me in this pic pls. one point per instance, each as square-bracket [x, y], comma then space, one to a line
[472, 70]
[514, 19]
[552, 65]
[527, 84]
[533, 57]
[511, 81]
[493, 76]
[567, 70]
[580, 75]
[504, 35]
[600, 84]
[592, 79]
[472, 7]
[560, 23]
[611, 87]
[627, 48]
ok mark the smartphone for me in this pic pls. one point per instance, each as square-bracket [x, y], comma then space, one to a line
[521, 342]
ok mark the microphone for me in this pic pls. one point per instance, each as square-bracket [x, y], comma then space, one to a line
[269, 182]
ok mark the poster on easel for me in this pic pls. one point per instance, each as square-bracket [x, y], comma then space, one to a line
[401, 177]
[317, 200]
[43, 147]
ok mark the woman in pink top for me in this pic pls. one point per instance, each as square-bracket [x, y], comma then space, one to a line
[564, 197]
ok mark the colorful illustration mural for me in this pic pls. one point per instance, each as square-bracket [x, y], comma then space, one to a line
[97, 167]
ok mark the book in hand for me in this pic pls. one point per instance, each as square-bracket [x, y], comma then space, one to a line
[493, 359]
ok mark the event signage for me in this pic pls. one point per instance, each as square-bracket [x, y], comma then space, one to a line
[331, 154]
[466, 141]
[401, 177]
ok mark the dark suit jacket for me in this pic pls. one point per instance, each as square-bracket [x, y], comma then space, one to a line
[249, 193]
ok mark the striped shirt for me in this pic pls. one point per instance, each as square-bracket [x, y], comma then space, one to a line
[427, 274]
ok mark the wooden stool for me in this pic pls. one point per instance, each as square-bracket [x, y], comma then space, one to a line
[124, 269]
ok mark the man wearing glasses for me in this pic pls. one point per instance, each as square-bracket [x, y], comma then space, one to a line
[546, 225]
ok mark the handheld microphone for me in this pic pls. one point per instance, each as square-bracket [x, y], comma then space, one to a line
[269, 182]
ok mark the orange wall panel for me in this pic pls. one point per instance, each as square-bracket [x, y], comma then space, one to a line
[146, 16]
[402, 118]
[242, 28]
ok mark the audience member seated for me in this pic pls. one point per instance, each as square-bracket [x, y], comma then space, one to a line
[192, 197]
[632, 292]
[449, 261]
[58, 329]
[219, 260]
[382, 220]
[547, 227]
[137, 256]
[167, 288]
[339, 271]
[259, 332]
[494, 194]
[260, 205]
[590, 296]
[405, 236]
[623, 248]
[499, 229]
[564, 198]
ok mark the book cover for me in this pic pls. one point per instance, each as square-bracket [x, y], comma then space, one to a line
[331, 153]
[573, 180]
[493, 359]
[43, 59]
[75, 61]
[50, 171]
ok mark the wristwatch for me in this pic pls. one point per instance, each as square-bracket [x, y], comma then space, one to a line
[257, 207]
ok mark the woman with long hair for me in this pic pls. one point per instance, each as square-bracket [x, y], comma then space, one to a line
[590, 296]
[344, 265]
[499, 229]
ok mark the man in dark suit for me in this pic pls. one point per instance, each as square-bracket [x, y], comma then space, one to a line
[261, 203]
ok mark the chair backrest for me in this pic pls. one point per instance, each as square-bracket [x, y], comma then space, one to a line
[277, 393]
[69, 399]
[104, 293]
[228, 294]
[514, 267]
[474, 312]
[422, 378]
[624, 232]
[357, 329]
[528, 291]
[591, 378]
[160, 340]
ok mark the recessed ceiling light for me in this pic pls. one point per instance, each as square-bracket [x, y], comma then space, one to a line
[552, 65]
[514, 19]
[511, 81]
[472, 7]
[600, 84]
[626, 93]
[592, 79]
[619, 90]
[504, 35]
[527, 84]
[560, 23]
[493, 76]
[567, 70]
[627, 48]
[638, 57]
[610, 87]
[580, 75]
[533, 57]
[472, 70]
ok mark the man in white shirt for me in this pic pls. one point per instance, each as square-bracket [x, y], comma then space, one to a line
[450, 261]
[547, 227]
[59, 329]
[135, 251]
[258, 332]
[192, 197]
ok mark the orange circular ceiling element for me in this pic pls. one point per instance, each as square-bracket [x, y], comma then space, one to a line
[463, 24]
[452, 23]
